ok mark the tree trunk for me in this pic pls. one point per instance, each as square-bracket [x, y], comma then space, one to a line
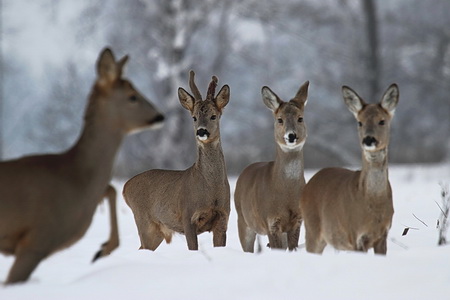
[373, 63]
[1, 81]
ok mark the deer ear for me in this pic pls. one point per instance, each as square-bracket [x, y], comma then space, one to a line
[302, 95]
[107, 69]
[390, 99]
[352, 100]
[223, 97]
[120, 64]
[270, 99]
[186, 100]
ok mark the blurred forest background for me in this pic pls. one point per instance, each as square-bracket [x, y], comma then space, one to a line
[49, 49]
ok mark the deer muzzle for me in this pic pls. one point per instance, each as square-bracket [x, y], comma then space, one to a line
[156, 123]
[369, 143]
[202, 134]
[290, 138]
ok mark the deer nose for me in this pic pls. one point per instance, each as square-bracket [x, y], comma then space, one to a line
[202, 133]
[369, 141]
[291, 137]
[157, 120]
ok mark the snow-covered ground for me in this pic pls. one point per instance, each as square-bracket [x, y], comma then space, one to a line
[415, 267]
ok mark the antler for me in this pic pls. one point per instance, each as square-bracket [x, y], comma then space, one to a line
[194, 88]
[212, 88]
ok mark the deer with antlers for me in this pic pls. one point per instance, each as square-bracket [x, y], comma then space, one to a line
[194, 200]
[48, 201]
[267, 196]
[352, 210]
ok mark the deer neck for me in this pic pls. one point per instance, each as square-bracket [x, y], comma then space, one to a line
[374, 174]
[96, 147]
[288, 164]
[210, 160]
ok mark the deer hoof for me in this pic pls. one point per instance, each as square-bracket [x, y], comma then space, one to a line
[97, 255]
[105, 250]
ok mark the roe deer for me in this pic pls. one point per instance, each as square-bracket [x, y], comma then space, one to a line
[190, 201]
[267, 196]
[113, 240]
[352, 210]
[48, 201]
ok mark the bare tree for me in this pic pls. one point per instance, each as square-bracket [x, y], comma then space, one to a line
[417, 55]
[1, 81]
[373, 76]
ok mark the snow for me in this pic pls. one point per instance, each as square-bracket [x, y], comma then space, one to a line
[415, 267]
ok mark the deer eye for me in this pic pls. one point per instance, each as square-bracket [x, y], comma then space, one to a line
[133, 98]
[280, 121]
[195, 119]
[213, 117]
[359, 124]
[300, 119]
[381, 123]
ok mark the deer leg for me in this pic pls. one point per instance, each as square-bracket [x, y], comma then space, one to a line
[150, 234]
[380, 246]
[293, 236]
[152, 243]
[275, 234]
[314, 243]
[219, 239]
[190, 231]
[113, 241]
[284, 240]
[246, 235]
[25, 263]
[362, 243]
[220, 231]
[275, 240]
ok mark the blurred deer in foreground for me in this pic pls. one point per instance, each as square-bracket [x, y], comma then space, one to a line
[267, 196]
[190, 201]
[352, 210]
[113, 241]
[48, 201]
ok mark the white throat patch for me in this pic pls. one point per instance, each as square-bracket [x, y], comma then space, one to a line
[369, 148]
[154, 126]
[293, 169]
[294, 147]
[372, 156]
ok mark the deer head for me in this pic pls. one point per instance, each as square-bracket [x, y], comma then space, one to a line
[290, 130]
[373, 119]
[205, 113]
[127, 108]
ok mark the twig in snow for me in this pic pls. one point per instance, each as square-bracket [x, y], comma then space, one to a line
[407, 228]
[420, 220]
[442, 210]
[399, 244]
[208, 258]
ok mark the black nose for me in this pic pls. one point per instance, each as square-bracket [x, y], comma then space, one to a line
[202, 132]
[292, 137]
[369, 141]
[158, 119]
